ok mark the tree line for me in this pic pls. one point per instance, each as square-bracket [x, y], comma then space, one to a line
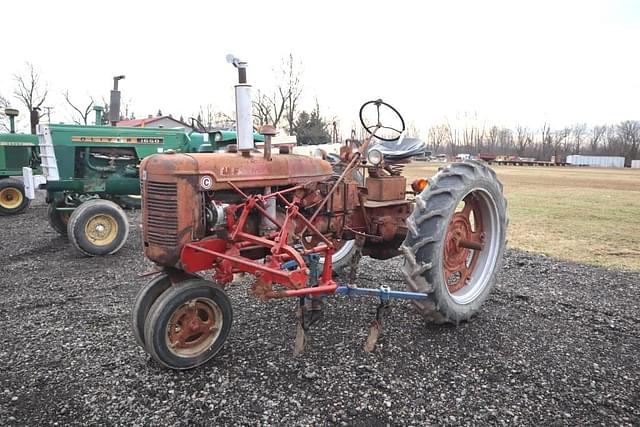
[621, 139]
[280, 106]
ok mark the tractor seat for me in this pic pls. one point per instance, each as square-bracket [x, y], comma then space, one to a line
[400, 149]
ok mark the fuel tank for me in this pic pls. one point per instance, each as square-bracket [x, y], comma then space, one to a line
[244, 172]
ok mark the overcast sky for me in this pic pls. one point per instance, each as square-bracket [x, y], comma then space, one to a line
[506, 61]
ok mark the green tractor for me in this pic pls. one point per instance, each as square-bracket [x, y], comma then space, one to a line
[16, 151]
[90, 174]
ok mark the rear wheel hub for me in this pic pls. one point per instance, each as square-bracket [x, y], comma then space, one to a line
[463, 242]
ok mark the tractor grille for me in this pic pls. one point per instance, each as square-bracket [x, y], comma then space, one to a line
[161, 204]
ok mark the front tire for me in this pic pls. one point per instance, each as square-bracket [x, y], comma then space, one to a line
[98, 227]
[455, 241]
[188, 324]
[13, 199]
[58, 220]
[146, 297]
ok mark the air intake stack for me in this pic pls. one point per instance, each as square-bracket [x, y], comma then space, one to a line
[12, 113]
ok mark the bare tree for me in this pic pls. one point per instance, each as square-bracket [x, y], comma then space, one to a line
[4, 103]
[30, 92]
[206, 116]
[546, 141]
[291, 76]
[451, 136]
[438, 137]
[523, 139]
[559, 136]
[413, 130]
[492, 138]
[268, 110]
[505, 140]
[598, 134]
[285, 99]
[80, 115]
[579, 130]
[628, 133]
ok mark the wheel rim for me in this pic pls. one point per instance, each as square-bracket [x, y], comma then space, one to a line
[10, 198]
[343, 247]
[101, 229]
[194, 327]
[471, 247]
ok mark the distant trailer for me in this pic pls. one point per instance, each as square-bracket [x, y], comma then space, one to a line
[596, 161]
[635, 164]
[526, 163]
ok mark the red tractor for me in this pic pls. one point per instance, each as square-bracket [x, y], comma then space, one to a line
[290, 220]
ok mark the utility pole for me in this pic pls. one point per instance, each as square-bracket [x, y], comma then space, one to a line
[48, 114]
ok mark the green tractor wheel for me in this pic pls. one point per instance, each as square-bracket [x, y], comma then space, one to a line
[58, 220]
[98, 227]
[12, 197]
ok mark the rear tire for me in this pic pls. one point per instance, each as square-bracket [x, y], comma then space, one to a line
[98, 227]
[438, 260]
[13, 199]
[58, 220]
[188, 324]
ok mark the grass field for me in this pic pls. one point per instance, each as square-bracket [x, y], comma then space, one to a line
[588, 215]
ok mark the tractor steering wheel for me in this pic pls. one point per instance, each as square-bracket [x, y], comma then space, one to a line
[372, 128]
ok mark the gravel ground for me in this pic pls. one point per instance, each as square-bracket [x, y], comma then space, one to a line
[557, 343]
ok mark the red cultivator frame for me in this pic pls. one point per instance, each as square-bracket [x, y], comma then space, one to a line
[225, 255]
[295, 222]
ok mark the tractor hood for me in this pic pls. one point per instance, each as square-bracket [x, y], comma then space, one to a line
[243, 172]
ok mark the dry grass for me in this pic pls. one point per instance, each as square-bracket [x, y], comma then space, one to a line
[588, 215]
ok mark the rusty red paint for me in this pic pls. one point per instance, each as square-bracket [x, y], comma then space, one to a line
[463, 242]
[386, 188]
[191, 325]
[312, 204]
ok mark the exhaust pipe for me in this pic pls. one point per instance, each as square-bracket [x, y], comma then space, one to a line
[244, 116]
[114, 104]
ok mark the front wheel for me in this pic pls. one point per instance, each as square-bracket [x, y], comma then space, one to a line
[188, 324]
[13, 199]
[145, 298]
[58, 220]
[455, 241]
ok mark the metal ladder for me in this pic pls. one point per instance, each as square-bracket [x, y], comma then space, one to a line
[47, 154]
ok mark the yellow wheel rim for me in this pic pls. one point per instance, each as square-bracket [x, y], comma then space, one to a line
[101, 229]
[10, 198]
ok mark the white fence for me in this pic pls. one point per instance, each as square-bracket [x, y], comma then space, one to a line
[635, 164]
